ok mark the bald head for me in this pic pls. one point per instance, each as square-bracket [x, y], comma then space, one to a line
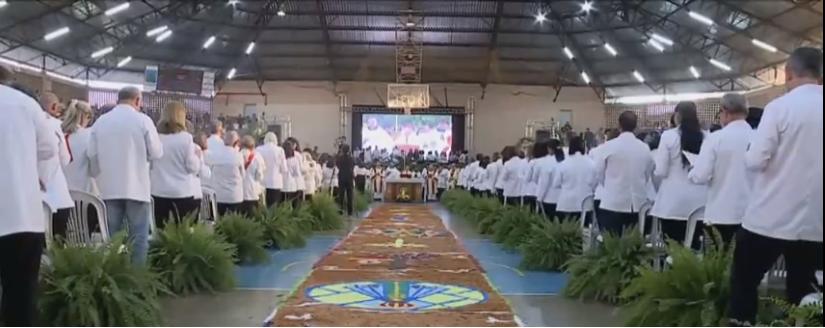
[51, 104]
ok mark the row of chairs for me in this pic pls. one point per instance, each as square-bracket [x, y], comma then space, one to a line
[79, 232]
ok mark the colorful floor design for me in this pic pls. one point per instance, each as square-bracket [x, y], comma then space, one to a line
[399, 267]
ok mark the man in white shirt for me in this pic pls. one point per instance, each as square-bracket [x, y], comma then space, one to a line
[275, 163]
[215, 140]
[784, 216]
[227, 166]
[123, 143]
[25, 133]
[624, 166]
[721, 165]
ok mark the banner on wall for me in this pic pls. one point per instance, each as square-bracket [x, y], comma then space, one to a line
[150, 78]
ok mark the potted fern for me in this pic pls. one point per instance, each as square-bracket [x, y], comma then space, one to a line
[694, 291]
[603, 272]
[550, 244]
[280, 228]
[361, 202]
[86, 286]
[246, 235]
[324, 212]
[191, 259]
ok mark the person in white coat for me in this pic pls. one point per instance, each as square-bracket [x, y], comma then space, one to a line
[784, 215]
[576, 181]
[721, 165]
[24, 132]
[170, 174]
[471, 175]
[56, 193]
[624, 166]
[275, 162]
[494, 175]
[677, 196]
[215, 140]
[123, 143]
[311, 175]
[303, 170]
[293, 175]
[200, 179]
[531, 175]
[546, 192]
[511, 179]
[443, 180]
[227, 167]
[330, 178]
[594, 153]
[254, 168]
[76, 120]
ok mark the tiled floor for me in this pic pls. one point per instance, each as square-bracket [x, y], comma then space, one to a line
[533, 295]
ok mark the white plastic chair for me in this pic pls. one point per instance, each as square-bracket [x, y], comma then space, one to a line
[643, 212]
[209, 205]
[693, 220]
[590, 232]
[78, 232]
[47, 218]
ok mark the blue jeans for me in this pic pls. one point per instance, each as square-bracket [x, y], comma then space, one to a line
[135, 215]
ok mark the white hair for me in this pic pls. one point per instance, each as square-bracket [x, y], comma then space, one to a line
[271, 138]
[735, 103]
[230, 138]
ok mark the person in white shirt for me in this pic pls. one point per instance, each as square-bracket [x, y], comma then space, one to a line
[576, 181]
[75, 122]
[200, 179]
[330, 177]
[293, 175]
[677, 197]
[480, 177]
[494, 176]
[443, 180]
[721, 165]
[56, 193]
[784, 215]
[311, 177]
[303, 171]
[170, 175]
[624, 166]
[275, 163]
[215, 140]
[594, 153]
[393, 173]
[227, 167]
[470, 176]
[123, 143]
[531, 176]
[24, 132]
[254, 168]
[360, 177]
[546, 191]
[510, 180]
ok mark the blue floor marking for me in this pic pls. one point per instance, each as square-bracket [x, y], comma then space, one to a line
[501, 266]
[298, 263]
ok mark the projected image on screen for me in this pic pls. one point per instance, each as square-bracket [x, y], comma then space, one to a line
[407, 132]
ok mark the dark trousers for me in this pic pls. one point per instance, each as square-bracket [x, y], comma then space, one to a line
[308, 198]
[755, 255]
[439, 193]
[617, 222]
[529, 202]
[172, 208]
[549, 210]
[273, 197]
[676, 230]
[500, 195]
[19, 271]
[361, 183]
[474, 191]
[224, 208]
[249, 207]
[514, 201]
[345, 197]
[60, 223]
[575, 216]
[726, 231]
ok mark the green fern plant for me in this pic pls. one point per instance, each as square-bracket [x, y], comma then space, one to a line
[361, 202]
[247, 236]
[325, 214]
[550, 245]
[776, 312]
[604, 271]
[87, 286]
[694, 291]
[191, 259]
[280, 227]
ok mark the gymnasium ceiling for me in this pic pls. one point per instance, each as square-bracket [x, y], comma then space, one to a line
[481, 41]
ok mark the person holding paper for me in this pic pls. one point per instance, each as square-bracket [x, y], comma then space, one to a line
[678, 197]
[721, 165]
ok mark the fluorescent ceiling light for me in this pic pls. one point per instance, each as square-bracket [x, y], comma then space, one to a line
[56, 33]
[611, 50]
[250, 47]
[764, 45]
[231, 74]
[163, 36]
[410, 24]
[662, 39]
[587, 6]
[586, 77]
[541, 17]
[117, 9]
[232, 2]
[209, 42]
[695, 72]
[639, 76]
[568, 53]
[102, 52]
[3, 3]
[657, 45]
[701, 18]
[124, 61]
[720, 64]
[281, 13]
[157, 30]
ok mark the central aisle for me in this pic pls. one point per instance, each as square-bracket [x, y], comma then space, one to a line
[399, 267]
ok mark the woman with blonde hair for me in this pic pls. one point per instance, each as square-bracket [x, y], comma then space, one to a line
[76, 119]
[171, 174]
